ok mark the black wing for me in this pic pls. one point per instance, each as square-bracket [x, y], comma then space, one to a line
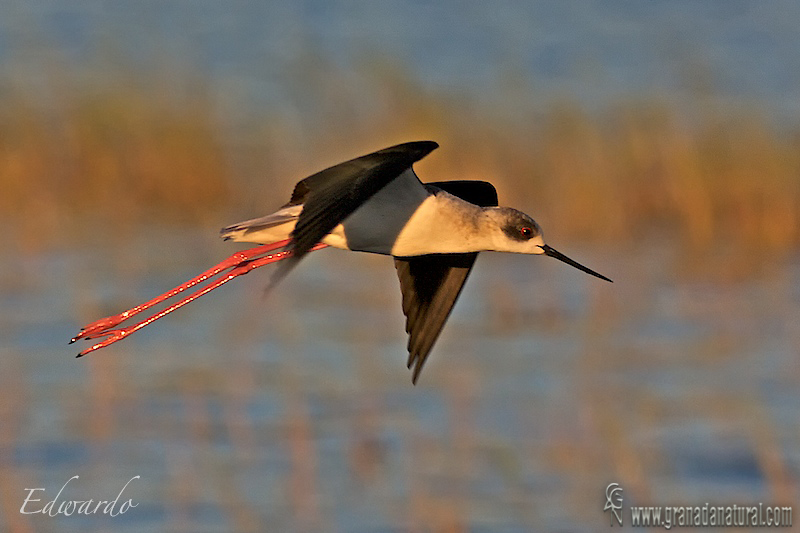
[331, 195]
[431, 283]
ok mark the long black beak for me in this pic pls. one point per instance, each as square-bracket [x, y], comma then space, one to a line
[552, 252]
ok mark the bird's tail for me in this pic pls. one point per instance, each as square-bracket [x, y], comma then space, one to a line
[271, 228]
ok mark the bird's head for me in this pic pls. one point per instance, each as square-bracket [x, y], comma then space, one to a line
[516, 232]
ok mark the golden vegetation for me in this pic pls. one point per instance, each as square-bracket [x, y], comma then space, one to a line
[113, 159]
[125, 157]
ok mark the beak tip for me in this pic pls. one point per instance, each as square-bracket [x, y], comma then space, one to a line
[551, 252]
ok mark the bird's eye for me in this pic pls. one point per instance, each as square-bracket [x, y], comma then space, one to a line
[526, 232]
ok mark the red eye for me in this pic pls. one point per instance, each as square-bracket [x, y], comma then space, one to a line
[526, 232]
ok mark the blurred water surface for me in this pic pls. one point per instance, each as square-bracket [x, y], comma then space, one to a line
[296, 412]
[255, 53]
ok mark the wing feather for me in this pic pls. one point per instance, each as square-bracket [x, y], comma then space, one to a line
[331, 195]
[335, 193]
[430, 285]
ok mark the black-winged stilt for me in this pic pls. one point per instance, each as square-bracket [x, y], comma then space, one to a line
[374, 203]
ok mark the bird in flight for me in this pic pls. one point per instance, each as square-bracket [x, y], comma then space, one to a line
[376, 204]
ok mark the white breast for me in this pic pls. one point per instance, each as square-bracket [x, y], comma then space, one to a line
[442, 224]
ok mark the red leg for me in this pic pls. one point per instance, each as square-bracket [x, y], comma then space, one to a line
[98, 326]
[243, 266]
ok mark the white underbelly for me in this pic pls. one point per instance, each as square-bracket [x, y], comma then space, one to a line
[282, 232]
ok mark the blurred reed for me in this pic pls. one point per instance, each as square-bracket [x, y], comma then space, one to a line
[125, 155]
[111, 158]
